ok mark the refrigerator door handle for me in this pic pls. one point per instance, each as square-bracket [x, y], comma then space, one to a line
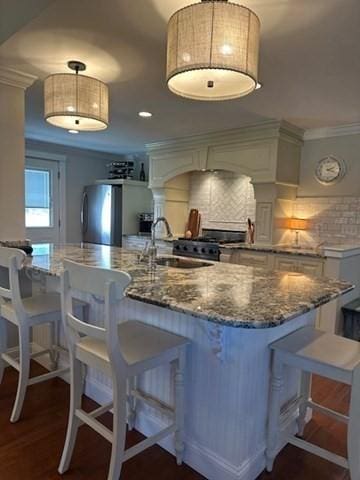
[84, 214]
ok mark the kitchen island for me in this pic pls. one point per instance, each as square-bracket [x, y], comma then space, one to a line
[230, 313]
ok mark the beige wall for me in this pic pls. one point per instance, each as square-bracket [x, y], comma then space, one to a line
[333, 211]
[348, 148]
[12, 214]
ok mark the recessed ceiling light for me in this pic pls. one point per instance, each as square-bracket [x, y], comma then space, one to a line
[73, 131]
[145, 114]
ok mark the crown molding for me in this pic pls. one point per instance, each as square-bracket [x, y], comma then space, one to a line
[14, 78]
[327, 132]
[269, 129]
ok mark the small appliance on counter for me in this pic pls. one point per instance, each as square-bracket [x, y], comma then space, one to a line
[145, 222]
[207, 246]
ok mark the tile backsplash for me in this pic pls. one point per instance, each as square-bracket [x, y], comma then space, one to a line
[332, 220]
[224, 199]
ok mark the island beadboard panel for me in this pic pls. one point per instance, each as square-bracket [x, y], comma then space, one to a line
[227, 384]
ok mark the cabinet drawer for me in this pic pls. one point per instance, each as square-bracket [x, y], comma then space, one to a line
[311, 267]
[301, 264]
[286, 263]
[256, 259]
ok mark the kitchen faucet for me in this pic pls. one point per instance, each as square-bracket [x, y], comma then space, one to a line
[152, 251]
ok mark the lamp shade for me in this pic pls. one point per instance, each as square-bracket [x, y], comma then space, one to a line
[297, 224]
[213, 51]
[76, 102]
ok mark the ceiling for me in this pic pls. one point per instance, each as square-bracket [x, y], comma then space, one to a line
[309, 65]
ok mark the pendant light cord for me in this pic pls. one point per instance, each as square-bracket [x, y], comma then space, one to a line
[77, 121]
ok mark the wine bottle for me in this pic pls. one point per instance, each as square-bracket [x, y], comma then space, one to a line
[142, 173]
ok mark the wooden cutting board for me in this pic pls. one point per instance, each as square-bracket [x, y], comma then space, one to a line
[194, 222]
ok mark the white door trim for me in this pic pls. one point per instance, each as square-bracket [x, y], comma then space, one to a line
[61, 159]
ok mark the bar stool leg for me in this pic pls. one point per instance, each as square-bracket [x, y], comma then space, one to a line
[179, 407]
[24, 350]
[54, 341]
[76, 391]
[274, 411]
[119, 429]
[305, 392]
[132, 382]
[354, 427]
[3, 345]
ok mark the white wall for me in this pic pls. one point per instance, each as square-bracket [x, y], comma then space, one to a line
[83, 167]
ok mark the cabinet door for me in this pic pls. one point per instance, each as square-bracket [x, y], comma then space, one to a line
[286, 263]
[256, 259]
[311, 267]
[225, 255]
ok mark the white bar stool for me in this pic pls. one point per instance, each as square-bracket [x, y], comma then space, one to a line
[122, 351]
[25, 314]
[327, 355]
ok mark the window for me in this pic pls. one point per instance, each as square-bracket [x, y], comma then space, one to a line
[37, 198]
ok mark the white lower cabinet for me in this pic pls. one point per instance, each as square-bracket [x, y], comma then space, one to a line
[285, 263]
[255, 259]
[299, 263]
[313, 267]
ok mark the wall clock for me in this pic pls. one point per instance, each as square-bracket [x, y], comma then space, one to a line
[330, 170]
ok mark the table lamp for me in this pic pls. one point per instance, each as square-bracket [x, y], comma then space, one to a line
[297, 224]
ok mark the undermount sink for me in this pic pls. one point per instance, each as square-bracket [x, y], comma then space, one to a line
[181, 262]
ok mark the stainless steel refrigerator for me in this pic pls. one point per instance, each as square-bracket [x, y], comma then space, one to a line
[101, 214]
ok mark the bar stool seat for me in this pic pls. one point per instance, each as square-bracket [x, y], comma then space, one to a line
[315, 352]
[139, 343]
[35, 307]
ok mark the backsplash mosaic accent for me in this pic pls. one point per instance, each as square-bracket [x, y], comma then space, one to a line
[224, 199]
[333, 220]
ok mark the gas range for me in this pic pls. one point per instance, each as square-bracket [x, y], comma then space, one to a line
[207, 246]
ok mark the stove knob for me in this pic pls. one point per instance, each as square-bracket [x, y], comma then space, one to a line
[195, 249]
[177, 247]
[185, 248]
[203, 250]
[211, 251]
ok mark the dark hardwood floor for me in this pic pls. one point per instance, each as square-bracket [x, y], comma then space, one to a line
[30, 449]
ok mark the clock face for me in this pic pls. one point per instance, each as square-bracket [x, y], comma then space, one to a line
[330, 170]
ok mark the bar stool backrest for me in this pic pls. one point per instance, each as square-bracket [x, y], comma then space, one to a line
[105, 284]
[13, 260]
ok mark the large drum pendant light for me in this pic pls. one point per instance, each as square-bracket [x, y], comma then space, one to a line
[76, 102]
[213, 51]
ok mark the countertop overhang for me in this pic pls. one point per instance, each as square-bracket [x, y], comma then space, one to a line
[324, 251]
[226, 294]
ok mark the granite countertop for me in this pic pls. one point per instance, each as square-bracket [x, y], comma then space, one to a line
[285, 249]
[231, 295]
